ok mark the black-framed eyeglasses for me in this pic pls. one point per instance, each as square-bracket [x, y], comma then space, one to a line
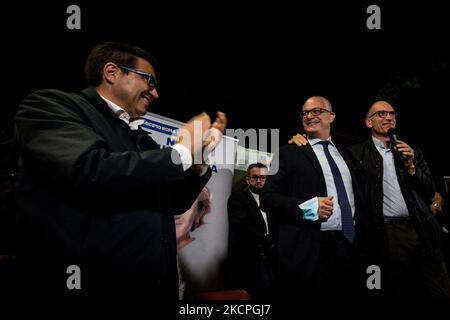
[315, 112]
[383, 114]
[256, 178]
[148, 76]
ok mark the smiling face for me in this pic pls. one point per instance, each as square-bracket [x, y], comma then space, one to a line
[380, 118]
[317, 117]
[132, 91]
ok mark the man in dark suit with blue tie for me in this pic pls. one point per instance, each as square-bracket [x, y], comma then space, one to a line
[252, 236]
[315, 200]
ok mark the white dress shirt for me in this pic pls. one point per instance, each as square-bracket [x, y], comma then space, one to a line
[264, 215]
[394, 204]
[334, 222]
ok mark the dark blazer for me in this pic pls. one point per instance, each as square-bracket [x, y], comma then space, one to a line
[250, 250]
[417, 191]
[299, 178]
[96, 194]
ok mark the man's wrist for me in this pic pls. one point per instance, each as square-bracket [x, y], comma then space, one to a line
[185, 155]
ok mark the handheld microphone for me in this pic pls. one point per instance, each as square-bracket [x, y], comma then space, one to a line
[395, 140]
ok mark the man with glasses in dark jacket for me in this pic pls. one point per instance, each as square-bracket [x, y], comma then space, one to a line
[96, 194]
[252, 238]
[401, 233]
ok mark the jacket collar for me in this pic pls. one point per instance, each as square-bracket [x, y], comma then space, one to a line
[91, 94]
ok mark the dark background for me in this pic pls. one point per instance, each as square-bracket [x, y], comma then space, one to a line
[257, 62]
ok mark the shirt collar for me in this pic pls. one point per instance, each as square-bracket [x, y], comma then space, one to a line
[123, 115]
[315, 141]
[114, 107]
[379, 144]
[254, 194]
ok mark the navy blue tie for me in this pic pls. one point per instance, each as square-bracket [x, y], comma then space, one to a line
[346, 210]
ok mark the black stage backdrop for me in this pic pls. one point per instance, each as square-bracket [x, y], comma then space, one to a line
[256, 61]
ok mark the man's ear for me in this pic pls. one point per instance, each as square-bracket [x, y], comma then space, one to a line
[369, 123]
[110, 72]
[332, 116]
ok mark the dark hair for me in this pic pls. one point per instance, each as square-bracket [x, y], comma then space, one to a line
[255, 165]
[116, 52]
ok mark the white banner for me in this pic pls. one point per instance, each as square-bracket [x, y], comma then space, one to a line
[202, 232]
[246, 156]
